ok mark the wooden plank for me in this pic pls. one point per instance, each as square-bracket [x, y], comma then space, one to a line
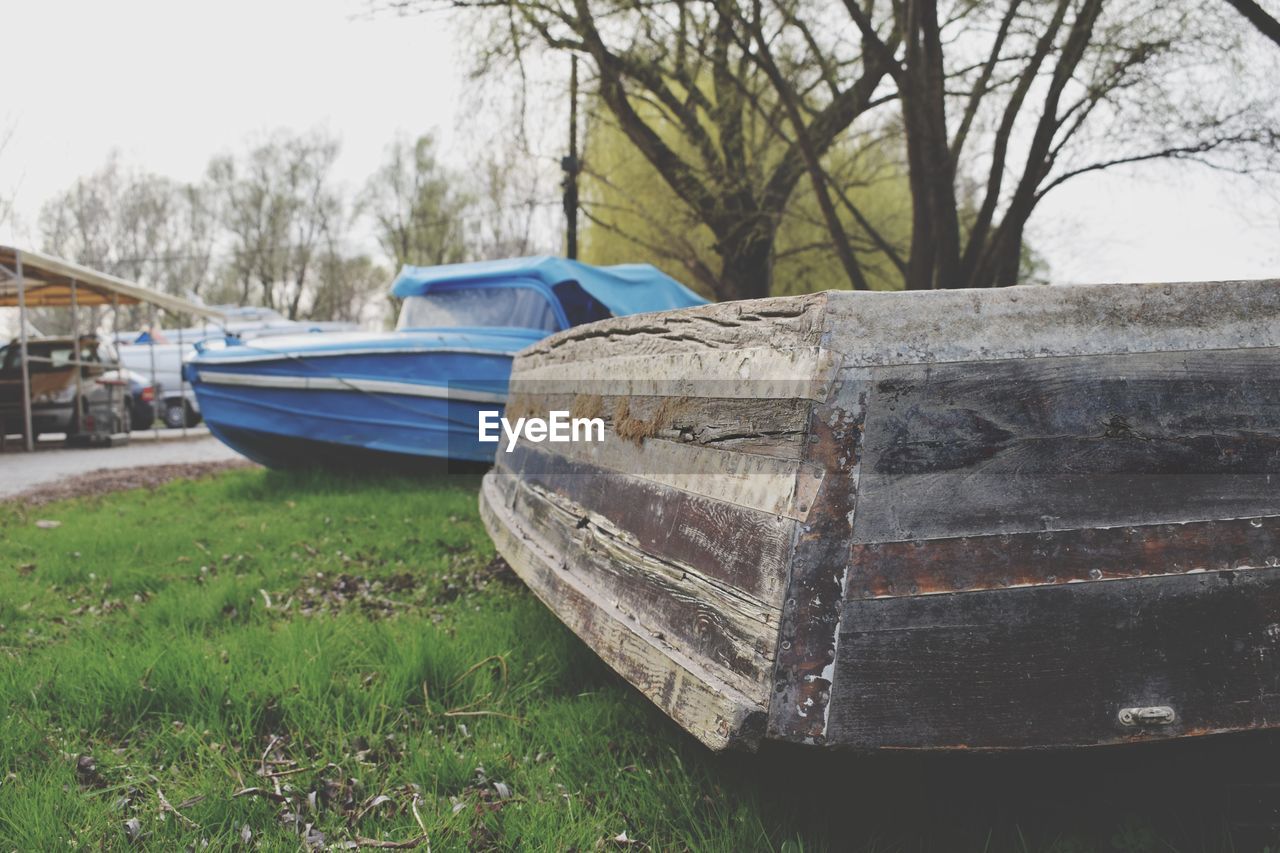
[1065, 443]
[876, 329]
[929, 327]
[768, 428]
[928, 566]
[711, 711]
[743, 548]
[1054, 666]
[776, 372]
[734, 634]
[782, 487]
[795, 320]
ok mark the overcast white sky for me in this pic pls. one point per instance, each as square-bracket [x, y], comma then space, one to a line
[169, 83]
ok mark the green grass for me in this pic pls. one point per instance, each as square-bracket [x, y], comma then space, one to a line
[175, 647]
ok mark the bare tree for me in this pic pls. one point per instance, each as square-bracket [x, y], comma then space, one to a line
[1262, 21]
[418, 206]
[999, 102]
[346, 287]
[1005, 100]
[633, 213]
[79, 224]
[136, 225]
[277, 205]
[509, 204]
[679, 85]
[189, 264]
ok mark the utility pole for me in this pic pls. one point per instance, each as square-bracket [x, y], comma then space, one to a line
[572, 167]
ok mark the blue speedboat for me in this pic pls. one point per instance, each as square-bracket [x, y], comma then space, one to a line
[412, 395]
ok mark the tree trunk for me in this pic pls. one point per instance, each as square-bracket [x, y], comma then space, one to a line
[999, 264]
[747, 256]
[1009, 262]
[935, 242]
[1256, 15]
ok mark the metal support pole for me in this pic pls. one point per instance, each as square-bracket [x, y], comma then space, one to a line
[26, 368]
[151, 348]
[80, 407]
[572, 167]
[115, 344]
[182, 382]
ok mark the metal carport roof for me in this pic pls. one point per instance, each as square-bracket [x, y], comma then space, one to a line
[34, 280]
[47, 282]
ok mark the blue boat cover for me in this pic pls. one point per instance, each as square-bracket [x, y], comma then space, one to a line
[623, 289]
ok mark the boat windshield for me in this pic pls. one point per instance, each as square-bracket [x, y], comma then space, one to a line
[522, 307]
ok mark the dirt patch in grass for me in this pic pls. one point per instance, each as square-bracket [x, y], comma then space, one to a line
[331, 594]
[107, 480]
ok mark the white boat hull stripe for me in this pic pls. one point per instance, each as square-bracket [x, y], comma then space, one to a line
[262, 354]
[337, 383]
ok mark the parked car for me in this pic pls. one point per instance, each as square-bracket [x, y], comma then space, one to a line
[103, 412]
[177, 405]
[142, 399]
[179, 410]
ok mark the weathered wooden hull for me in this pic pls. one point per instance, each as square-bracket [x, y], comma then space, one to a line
[1024, 518]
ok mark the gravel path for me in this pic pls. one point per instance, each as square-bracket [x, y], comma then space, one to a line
[21, 472]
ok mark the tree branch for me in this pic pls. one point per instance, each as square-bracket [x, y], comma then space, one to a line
[1258, 16]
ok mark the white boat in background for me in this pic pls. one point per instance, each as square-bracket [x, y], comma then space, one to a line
[244, 321]
[159, 353]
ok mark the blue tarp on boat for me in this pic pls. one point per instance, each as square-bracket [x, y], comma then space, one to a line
[417, 393]
[623, 289]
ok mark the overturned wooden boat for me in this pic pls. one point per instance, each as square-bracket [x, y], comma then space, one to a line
[1019, 518]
